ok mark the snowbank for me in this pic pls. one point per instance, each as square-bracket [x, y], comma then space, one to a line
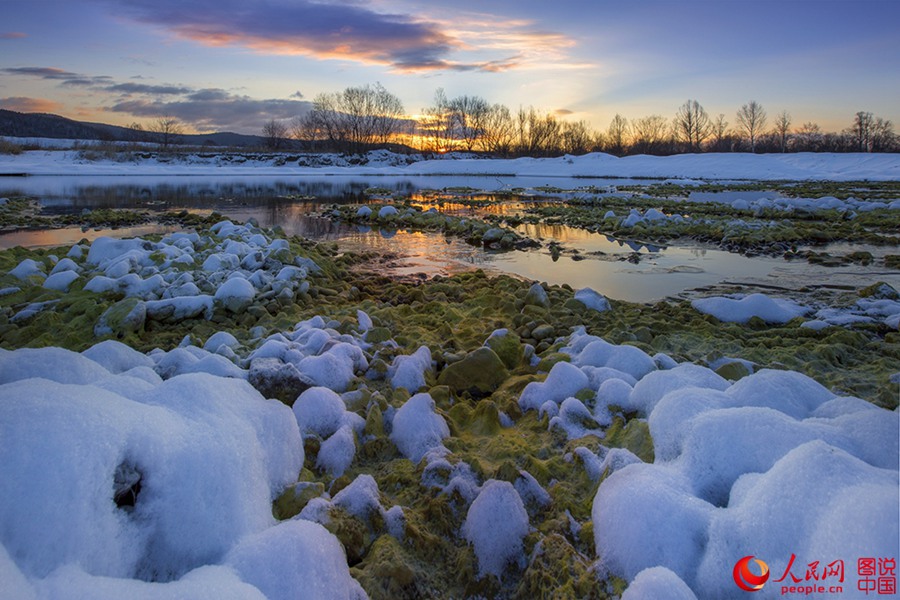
[800, 166]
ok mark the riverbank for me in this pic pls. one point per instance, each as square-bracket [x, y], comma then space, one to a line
[682, 168]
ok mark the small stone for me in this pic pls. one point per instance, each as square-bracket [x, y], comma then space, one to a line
[537, 296]
[542, 332]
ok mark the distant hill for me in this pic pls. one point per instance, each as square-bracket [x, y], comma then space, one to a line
[41, 125]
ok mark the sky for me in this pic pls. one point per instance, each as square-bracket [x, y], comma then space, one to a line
[232, 65]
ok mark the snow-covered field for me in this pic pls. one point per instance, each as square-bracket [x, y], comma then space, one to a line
[802, 166]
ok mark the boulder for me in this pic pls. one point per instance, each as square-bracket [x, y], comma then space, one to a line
[479, 373]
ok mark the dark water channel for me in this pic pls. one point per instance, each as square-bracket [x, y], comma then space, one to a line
[600, 262]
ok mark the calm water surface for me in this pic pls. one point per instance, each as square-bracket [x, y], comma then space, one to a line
[291, 203]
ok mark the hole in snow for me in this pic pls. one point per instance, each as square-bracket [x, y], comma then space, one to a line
[126, 486]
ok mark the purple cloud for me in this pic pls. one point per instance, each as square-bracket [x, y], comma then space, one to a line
[342, 30]
[217, 110]
[141, 88]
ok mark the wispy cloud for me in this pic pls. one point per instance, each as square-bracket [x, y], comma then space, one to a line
[142, 88]
[63, 77]
[329, 29]
[27, 105]
[12, 35]
[207, 109]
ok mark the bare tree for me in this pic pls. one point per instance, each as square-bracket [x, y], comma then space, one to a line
[467, 117]
[809, 137]
[274, 134]
[354, 118]
[166, 130]
[883, 137]
[720, 134]
[649, 134]
[577, 137]
[497, 130]
[436, 124]
[751, 119]
[692, 125]
[861, 130]
[536, 134]
[783, 129]
[389, 114]
[616, 134]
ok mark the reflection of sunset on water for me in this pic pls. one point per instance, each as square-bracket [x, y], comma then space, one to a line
[296, 204]
[67, 236]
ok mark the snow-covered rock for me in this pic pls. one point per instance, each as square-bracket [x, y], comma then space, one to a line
[417, 428]
[742, 309]
[495, 525]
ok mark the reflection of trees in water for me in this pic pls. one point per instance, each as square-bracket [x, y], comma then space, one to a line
[209, 195]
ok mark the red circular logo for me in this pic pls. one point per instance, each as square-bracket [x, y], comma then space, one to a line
[746, 579]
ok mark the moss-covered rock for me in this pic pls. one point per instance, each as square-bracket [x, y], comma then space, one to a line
[479, 373]
[123, 317]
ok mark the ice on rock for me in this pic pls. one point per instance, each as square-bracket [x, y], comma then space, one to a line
[724, 444]
[669, 421]
[533, 495]
[337, 452]
[220, 262]
[236, 294]
[612, 392]
[173, 310]
[842, 405]
[204, 583]
[360, 498]
[575, 420]
[387, 211]
[290, 273]
[771, 515]
[645, 516]
[28, 268]
[320, 411]
[495, 525]
[221, 338]
[61, 281]
[295, 560]
[106, 250]
[600, 375]
[563, 381]
[210, 456]
[215, 364]
[790, 392]
[409, 371]
[658, 583]
[15, 585]
[650, 389]
[741, 310]
[55, 364]
[66, 264]
[116, 357]
[417, 428]
[592, 299]
[329, 370]
[364, 320]
[364, 212]
[628, 359]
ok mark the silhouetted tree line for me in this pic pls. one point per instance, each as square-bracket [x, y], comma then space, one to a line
[360, 118]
